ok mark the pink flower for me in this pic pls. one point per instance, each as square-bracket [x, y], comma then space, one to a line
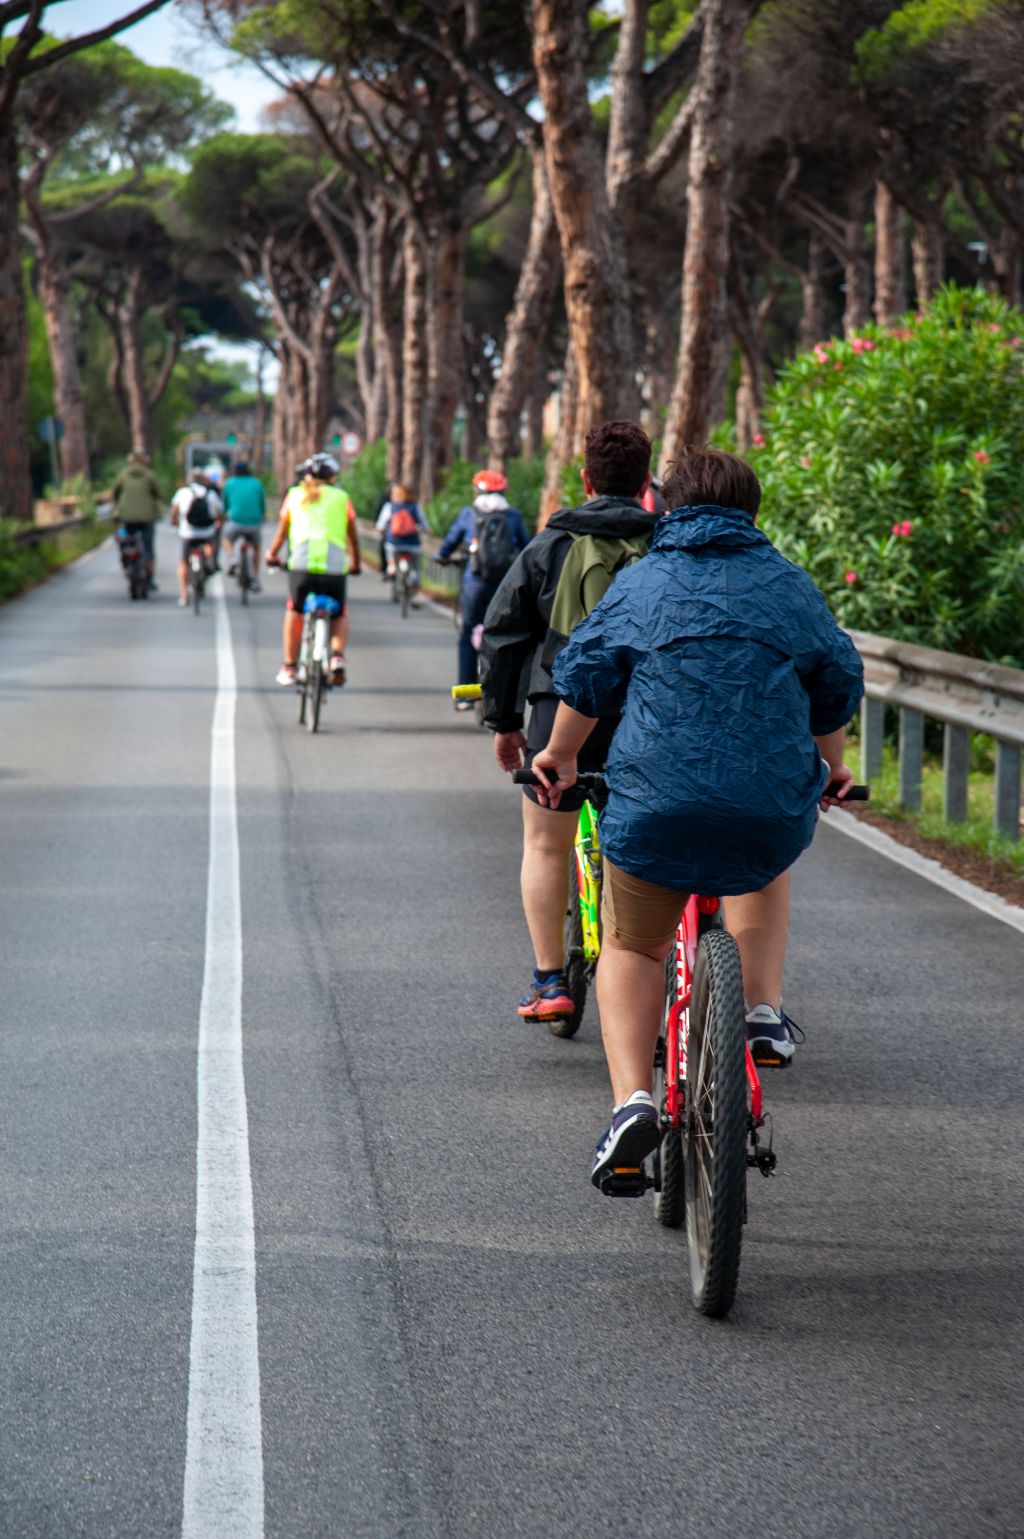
[862, 345]
[903, 529]
[838, 368]
[806, 461]
[758, 440]
[994, 326]
[820, 354]
[901, 334]
[850, 576]
[981, 457]
[1015, 341]
[897, 529]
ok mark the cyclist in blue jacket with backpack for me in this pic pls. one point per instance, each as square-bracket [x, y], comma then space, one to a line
[493, 534]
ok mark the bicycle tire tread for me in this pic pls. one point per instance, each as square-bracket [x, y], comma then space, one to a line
[717, 1290]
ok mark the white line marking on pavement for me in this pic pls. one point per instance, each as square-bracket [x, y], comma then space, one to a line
[989, 902]
[224, 1454]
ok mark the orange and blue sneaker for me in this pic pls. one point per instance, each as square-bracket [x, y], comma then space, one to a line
[548, 999]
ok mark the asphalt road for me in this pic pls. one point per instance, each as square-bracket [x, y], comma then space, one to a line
[457, 1335]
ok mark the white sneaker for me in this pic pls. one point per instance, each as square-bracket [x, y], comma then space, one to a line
[182, 603]
[285, 677]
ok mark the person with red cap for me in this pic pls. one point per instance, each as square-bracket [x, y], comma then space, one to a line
[493, 533]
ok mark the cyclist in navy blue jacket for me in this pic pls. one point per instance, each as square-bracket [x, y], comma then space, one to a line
[493, 534]
[735, 686]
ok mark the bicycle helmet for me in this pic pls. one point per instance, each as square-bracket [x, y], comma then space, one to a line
[490, 481]
[301, 469]
[323, 466]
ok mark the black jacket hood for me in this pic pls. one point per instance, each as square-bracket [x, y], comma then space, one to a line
[619, 517]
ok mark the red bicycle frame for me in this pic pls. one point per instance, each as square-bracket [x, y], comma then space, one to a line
[676, 1032]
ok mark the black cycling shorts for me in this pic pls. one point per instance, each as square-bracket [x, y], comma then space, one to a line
[593, 755]
[302, 584]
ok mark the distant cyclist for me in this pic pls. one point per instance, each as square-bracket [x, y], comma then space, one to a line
[196, 511]
[551, 587]
[400, 523]
[244, 508]
[493, 534]
[319, 523]
[138, 506]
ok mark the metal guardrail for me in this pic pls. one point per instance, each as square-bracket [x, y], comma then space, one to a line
[35, 534]
[966, 695]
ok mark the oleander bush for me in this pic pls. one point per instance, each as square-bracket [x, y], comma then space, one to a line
[893, 471]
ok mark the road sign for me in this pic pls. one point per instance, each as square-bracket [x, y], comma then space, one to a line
[50, 430]
[351, 443]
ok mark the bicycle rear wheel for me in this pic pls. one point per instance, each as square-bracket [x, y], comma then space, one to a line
[197, 591]
[405, 595]
[715, 1124]
[243, 572]
[578, 970]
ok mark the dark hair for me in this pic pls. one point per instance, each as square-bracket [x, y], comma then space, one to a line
[713, 477]
[617, 457]
[241, 468]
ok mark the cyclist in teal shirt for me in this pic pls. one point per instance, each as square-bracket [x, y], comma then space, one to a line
[244, 506]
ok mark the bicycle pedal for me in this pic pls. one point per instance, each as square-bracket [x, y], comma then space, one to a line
[626, 1181]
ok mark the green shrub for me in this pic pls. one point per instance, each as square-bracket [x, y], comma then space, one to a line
[892, 471]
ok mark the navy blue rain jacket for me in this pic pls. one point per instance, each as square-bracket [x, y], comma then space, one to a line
[725, 662]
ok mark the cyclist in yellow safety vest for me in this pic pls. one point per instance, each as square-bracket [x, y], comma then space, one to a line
[319, 523]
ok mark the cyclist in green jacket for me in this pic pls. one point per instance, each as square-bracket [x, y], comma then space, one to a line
[138, 506]
[319, 523]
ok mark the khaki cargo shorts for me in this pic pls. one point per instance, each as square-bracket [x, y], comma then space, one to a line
[640, 915]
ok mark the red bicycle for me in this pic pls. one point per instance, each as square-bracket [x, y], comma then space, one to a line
[712, 1109]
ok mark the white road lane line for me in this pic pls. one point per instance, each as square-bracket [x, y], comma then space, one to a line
[223, 1496]
[902, 855]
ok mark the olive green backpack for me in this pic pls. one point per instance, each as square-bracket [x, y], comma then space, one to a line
[590, 567]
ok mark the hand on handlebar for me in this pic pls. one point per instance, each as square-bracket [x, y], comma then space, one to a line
[840, 781]
[557, 773]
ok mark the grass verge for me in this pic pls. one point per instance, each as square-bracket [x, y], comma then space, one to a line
[22, 567]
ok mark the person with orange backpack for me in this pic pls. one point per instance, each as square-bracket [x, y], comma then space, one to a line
[400, 523]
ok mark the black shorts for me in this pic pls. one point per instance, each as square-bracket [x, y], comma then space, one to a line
[302, 584]
[593, 755]
[192, 543]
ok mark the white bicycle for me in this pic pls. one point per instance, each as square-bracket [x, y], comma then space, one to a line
[313, 674]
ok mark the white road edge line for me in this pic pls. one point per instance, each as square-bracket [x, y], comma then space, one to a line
[223, 1490]
[989, 902]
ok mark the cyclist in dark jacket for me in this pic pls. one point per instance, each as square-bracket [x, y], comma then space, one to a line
[489, 558]
[735, 685]
[518, 650]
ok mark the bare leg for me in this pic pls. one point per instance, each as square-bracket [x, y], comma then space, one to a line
[631, 997]
[760, 923]
[183, 579]
[544, 880]
[292, 637]
[339, 633]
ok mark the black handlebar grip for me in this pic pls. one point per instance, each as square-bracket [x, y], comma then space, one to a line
[854, 794]
[525, 777]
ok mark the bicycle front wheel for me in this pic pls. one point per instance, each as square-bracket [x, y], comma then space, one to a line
[316, 694]
[715, 1124]
[669, 1175]
[577, 969]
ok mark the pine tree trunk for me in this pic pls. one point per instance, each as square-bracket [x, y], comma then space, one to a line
[538, 278]
[536, 401]
[414, 365]
[812, 287]
[280, 425]
[67, 379]
[446, 274]
[890, 258]
[707, 226]
[15, 479]
[563, 445]
[129, 321]
[376, 300]
[857, 264]
[597, 299]
[928, 250]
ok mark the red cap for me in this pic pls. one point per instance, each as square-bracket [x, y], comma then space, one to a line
[490, 481]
